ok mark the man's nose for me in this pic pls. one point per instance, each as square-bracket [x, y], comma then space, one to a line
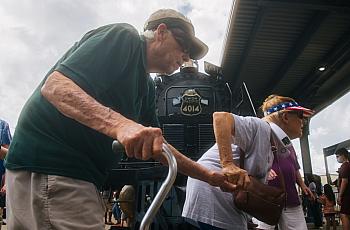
[186, 57]
[304, 122]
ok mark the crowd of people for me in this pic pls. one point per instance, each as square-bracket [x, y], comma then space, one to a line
[5, 141]
[101, 90]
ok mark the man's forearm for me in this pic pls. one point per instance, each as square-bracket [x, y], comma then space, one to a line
[75, 103]
[195, 170]
[187, 166]
[343, 185]
[72, 101]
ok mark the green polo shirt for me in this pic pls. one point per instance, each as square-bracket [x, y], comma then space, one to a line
[108, 63]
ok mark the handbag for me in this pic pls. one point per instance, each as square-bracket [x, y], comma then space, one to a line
[260, 200]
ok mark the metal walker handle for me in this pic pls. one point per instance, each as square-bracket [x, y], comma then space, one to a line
[164, 189]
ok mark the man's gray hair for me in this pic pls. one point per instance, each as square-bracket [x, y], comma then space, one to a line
[149, 35]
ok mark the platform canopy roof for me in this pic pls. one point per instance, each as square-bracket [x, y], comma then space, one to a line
[279, 46]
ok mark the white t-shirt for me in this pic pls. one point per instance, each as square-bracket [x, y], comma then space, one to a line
[208, 204]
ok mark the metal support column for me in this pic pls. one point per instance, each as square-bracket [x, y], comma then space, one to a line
[305, 150]
[329, 180]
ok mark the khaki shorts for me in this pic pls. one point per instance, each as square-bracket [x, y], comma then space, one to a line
[39, 201]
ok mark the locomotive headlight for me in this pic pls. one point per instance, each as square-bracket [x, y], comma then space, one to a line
[176, 101]
[212, 69]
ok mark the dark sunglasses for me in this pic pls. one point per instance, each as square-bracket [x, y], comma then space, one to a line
[180, 37]
[299, 113]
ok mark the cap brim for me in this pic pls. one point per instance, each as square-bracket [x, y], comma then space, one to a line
[198, 48]
[307, 112]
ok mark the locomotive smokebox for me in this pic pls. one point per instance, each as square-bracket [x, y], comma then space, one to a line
[185, 103]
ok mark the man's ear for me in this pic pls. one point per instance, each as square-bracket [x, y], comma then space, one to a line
[285, 118]
[161, 31]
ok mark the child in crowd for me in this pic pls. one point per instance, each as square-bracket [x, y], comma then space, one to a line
[328, 201]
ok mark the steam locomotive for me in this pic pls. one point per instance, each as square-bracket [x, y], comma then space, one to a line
[185, 103]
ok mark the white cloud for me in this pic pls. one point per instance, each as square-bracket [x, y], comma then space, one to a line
[34, 34]
[319, 132]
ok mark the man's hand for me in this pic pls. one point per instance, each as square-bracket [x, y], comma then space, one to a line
[339, 200]
[3, 189]
[218, 179]
[236, 176]
[139, 141]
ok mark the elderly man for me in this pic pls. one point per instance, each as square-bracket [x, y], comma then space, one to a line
[98, 91]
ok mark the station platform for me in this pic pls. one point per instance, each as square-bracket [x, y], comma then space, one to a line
[108, 227]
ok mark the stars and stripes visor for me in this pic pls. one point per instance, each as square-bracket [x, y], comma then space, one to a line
[289, 106]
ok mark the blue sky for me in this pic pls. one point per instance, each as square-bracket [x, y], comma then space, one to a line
[34, 34]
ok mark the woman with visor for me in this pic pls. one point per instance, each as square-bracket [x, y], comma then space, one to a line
[286, 120]
[212, 208]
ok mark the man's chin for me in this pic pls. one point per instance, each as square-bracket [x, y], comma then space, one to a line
[170, 71]
[295, 136]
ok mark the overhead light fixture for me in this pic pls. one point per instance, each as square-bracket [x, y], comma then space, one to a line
[322, 68]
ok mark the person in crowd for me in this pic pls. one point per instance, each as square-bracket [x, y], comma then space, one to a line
[5, 140]
[98, 91]
[315, 206]
[117, 212]
[293, 212]
[343, 200]
[327, 199]
[107, 197]
[212, 208]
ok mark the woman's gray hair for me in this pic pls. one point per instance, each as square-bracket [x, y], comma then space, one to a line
[149, 35]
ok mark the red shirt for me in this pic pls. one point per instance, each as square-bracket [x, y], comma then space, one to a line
[344, 172]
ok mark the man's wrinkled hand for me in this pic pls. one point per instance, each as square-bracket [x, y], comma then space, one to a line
[218, 179]
[236, 176]
[139, 141]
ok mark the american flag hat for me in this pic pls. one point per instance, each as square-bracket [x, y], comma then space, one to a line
[289, 106]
